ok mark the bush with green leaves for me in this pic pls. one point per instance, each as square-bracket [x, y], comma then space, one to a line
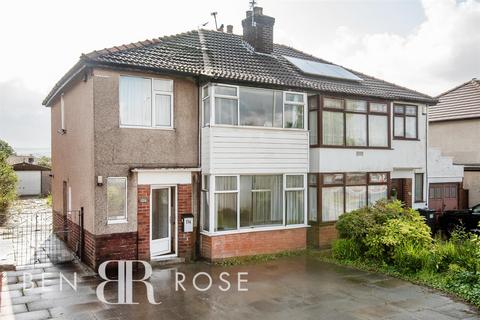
[8, 181]
[380, 229]
[346, 249]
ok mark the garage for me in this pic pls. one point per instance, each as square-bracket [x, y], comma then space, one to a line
[33, 180]
[443, 196]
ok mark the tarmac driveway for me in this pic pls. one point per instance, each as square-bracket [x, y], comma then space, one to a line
[287, 288]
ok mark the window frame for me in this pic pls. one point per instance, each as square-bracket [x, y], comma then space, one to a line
[125, 219]
[405, 116]
[344, 184]
[239, 229]
[213, 95]
[423, 187]
[153, 93]
[320, 108]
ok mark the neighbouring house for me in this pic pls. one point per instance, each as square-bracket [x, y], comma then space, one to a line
[454, 128]
[14, 159]
[33, 179]
[260, 143]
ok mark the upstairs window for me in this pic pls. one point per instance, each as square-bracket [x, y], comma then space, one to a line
[405, 122]
[353, 123]
[256, 107]
[146, 102]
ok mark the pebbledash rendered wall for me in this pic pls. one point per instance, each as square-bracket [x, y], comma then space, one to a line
[95, 145]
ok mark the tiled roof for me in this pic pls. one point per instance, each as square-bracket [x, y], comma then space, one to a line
[462, 102]
[226, 56]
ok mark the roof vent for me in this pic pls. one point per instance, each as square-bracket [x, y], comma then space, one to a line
[258, 30]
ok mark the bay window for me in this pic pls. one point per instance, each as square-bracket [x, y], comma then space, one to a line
[205, 202]
[345, 192]
[261, 200]
[312, 197]
[405, 122]
[294, 199]
[253, 201]
[350, 122]
[247, 106]
[146, 102]
[226, 197]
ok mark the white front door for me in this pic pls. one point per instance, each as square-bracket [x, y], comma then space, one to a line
[160, 227]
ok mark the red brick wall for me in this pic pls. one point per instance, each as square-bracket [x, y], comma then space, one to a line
[407, 192]
[143, 222]
[322, 235]
[252, 243]
[186, 241]
[115, 246]
[326, 235]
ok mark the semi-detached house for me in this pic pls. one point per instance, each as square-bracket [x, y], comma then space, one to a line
[263, 145]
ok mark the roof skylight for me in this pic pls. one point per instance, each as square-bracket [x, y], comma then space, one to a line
[322, 69]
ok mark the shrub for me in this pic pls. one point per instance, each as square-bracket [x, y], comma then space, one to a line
[410, 258]
[8, 181]
[346, 249]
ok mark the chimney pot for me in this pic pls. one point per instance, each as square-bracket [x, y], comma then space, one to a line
[229, 28]
[258, 11]
[260, 34]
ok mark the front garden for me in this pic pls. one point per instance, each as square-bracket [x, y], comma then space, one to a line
[395, 240]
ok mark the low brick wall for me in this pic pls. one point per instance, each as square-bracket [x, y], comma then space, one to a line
[322, 235]
[252, 243]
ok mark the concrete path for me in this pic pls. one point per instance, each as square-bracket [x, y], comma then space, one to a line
[288, 288]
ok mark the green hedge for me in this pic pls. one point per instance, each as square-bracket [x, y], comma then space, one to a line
[397, 239]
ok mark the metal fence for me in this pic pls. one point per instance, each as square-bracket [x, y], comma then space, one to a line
[34, 239]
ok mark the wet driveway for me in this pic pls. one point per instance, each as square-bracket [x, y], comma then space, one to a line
[288, 288]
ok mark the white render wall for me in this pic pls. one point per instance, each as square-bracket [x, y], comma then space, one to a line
[404, 154]
[248, 150]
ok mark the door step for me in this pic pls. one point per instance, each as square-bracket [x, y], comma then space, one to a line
[164, 261]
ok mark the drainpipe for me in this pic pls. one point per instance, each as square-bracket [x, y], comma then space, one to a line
[199, 175]
[426, 156]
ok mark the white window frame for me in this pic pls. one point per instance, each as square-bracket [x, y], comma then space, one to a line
[304, 103]
[283, 226]
[125, 219]
[213, 95]
[208, 96]
[305, 198]
[215, 192]
[152, 105]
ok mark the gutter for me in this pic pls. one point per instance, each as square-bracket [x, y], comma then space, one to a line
[65, 82]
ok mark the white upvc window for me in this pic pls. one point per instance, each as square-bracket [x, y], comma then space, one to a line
[295, 199]
[229, 105]
[146, 102]
[116, 200]
[242, 203]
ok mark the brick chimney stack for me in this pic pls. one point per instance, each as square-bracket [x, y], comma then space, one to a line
[260, 34]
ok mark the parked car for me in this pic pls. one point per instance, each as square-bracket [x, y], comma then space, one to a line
[468, 219]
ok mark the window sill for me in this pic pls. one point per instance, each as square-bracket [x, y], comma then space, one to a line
[116, 221]
[151, 128]
[350, 147]
[254, 127]
[264, 229]
[405, 139]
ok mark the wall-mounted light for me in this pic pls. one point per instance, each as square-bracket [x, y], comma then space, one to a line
[99, 181]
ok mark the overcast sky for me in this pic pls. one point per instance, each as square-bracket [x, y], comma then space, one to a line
[428, 45]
